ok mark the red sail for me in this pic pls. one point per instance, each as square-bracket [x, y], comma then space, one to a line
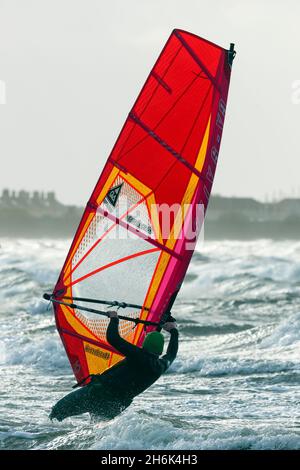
[166, 154]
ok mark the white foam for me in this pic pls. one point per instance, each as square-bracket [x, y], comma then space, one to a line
[229, 270]
[39, 306]
[41, 260]
[224, 366]
[136, 431]
[287, 333]
[237, 259]
[43, 352]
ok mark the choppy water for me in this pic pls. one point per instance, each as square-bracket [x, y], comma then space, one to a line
[234, 385]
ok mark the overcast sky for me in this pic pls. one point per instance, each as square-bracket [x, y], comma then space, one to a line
[73, 68]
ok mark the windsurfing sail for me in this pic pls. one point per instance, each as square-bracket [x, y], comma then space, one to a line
[165, 157]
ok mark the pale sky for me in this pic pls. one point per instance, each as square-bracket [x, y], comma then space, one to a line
[73, 68]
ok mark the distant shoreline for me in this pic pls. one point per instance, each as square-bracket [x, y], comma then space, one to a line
[39, 216]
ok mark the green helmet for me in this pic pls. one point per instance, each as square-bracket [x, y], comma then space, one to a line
[154, 342]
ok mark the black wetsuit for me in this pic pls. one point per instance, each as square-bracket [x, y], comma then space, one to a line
[108, 394]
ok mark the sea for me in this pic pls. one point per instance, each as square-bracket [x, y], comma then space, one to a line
[235, 383]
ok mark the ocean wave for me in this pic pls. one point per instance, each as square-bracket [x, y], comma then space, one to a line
[40, 260]
[268, 438]
[135, 431]
[240, 321]
[220, 366]
[244, 261]
[191, 329]
[47, 353]
[287, 333]
[269, 348]
[39, 306]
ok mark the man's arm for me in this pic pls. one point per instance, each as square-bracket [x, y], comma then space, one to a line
[120, 344]
[172, 350]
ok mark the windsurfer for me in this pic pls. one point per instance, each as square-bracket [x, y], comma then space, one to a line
[108, 394]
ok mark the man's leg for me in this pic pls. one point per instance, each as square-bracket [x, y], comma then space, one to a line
[93, 398]
[75, 403]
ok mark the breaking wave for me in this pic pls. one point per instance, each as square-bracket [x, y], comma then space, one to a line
[232, 386]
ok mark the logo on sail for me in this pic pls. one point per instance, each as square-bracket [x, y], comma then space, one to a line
[113, 194]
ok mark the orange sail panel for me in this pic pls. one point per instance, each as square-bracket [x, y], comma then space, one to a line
[165, 156]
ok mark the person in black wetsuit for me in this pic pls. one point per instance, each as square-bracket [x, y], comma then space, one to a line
[108, 394]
